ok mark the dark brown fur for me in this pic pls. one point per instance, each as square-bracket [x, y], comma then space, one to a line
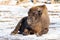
[38, 21]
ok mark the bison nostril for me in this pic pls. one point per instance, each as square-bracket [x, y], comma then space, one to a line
[39, 11]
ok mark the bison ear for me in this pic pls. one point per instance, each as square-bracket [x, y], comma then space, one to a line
[29, 11]
[41, 7]
[44, 6]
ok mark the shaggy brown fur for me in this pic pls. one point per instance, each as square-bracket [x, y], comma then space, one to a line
[37, 21]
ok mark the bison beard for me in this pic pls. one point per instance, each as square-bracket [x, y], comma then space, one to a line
[25, 28]
[37, 22]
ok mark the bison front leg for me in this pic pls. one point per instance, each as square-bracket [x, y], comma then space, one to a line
[45, 30]
[16, 29]
[38, 31]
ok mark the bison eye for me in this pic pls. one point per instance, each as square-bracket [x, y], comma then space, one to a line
[39, 12]
[33, 14]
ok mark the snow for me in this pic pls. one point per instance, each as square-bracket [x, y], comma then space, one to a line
[52, 34]
[10, 16]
